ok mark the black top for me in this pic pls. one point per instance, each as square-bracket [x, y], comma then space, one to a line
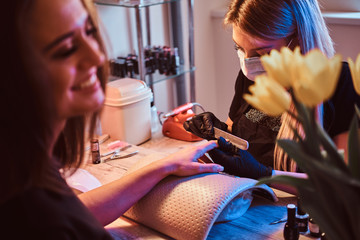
[43, 214]
[261, 130]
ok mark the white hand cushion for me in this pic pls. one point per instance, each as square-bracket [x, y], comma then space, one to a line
[187, 207]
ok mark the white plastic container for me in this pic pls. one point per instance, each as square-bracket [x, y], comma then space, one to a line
[127, 114]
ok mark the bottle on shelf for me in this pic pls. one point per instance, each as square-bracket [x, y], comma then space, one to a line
[164, 59]
[118, 67]
[175, 61]
[291, 231]
[130, 68]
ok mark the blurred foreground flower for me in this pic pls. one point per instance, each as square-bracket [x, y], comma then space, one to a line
[277, 65]
[268, 96]
[331, 193]
[312, 77]
[317, 77]
[355, 73]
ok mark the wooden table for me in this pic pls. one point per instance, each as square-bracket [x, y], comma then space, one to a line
[254, 224]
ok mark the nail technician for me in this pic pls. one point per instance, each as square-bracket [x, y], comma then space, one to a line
[52, 91]
[258, 27]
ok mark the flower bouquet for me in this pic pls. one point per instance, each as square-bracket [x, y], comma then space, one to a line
[331, 191]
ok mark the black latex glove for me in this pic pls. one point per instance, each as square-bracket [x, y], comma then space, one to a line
[238, 162]
[202, 125]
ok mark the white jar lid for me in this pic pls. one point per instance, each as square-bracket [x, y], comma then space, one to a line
[126, 91]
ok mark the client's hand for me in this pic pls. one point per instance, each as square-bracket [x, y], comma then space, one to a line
[202, 125]
[184, 162]
[238, 162]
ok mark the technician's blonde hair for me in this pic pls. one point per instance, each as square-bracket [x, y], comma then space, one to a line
[299, 20]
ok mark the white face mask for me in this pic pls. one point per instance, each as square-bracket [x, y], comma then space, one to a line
[251, 67]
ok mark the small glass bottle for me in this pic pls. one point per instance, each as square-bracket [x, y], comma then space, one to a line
[155, 123]
[302, 219]
[291, 231]
[95, 151]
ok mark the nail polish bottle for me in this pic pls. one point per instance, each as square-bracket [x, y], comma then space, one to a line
[302, 219]
[291, 231]
[95, 151]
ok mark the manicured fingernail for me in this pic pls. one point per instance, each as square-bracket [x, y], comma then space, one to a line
[219, 168]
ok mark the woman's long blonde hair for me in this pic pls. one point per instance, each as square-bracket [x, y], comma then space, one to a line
[300, 20]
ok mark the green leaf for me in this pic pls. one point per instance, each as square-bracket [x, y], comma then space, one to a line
[313, 167]
[331, 149]
[287, 180]
[319, 170]
[357, 111]
[328, 221]
[322, 176]
[348, 198]
[331, 193]
[326, 215]
[297, 153]
[311, 142]
[354, 148]
[297, 136]
[327, 196]
[339, 195]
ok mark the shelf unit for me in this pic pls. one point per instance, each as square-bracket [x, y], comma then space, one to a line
[138, 6]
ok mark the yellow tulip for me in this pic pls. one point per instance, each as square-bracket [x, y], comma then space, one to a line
[315, 77]
[355, 72]
[268, 96]
[277, 65]
[298, 61]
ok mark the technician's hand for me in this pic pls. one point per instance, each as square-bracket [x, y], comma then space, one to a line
[238, 162]
[202, 125]
[185, 162]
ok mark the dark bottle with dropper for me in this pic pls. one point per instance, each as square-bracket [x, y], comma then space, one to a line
[291, 231]
[302, 219]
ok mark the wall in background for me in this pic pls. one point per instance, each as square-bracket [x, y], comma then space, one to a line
[337, 5]
[344, 30]
[207, 81]
[120, 28]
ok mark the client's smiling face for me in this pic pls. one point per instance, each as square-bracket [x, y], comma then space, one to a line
[64, 36]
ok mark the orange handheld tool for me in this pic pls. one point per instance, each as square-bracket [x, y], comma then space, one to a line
[173, 125]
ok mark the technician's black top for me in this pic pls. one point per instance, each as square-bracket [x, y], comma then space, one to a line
[261, 130]
[43, 214]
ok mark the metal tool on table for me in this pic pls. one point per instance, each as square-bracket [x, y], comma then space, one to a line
[120, 156]
[115, 151]
[238, 142]
[110, 152]
[116, 154]
[279, 221]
